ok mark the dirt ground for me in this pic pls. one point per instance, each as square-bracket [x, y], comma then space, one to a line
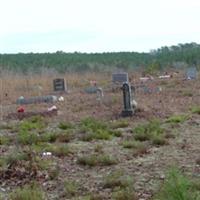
[176, 97]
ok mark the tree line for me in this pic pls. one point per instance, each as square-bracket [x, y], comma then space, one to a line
[177, 56]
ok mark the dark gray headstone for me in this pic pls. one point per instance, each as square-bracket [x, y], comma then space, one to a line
[191, 73]
[127, 99]
[59, 85]
[120, 77]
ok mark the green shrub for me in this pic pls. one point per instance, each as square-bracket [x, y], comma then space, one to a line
[28, 192]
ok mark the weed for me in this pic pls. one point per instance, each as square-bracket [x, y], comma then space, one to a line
[196, 110]
[95, 160]
[177, 119]
[59, 150]
[70, 188]
[28, 192]
[159, 140]
[5, 140]
[129, 144]
[116, 133]
[117, 179]
[32, 123]
[97, 135]
[13, 158]
[65, 125]
[120, 124]
[148, 131]
[94, 197]
[92, 124]
[48, 137]
[98, 148]
[54, 172]
[127, 193]
[5, 126]
[176, 187]
[26, 138]
[94, 129]
[64, 137]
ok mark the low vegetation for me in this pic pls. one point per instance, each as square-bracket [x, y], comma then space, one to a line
[97, 160]
[33, 192]
[151, 131]
[178, 187]
[93, 129]
[177, 119]
[196, 110]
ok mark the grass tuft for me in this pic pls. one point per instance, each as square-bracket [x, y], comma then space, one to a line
[177, 187]
[28, 192]
[177, 119]
[97, 160]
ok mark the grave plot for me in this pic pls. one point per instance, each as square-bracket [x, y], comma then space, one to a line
[31, 99]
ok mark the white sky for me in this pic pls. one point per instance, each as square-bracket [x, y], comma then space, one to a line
[96, 25]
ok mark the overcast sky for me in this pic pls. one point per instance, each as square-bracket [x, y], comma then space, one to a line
[96, 25]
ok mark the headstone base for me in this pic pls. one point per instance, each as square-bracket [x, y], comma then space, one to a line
[127, 113]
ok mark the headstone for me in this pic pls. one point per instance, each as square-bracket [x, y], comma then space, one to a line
[120, 77]
[59, 85]
[191, 73]
[91, 90]
[100, 94]
[127, 99]
[34, 100]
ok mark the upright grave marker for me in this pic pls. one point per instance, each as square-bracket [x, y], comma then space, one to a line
[100, 94]
[120, 77]
[59, 85]
[127, 100]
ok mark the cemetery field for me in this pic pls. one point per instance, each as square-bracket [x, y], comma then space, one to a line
[85, 150]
